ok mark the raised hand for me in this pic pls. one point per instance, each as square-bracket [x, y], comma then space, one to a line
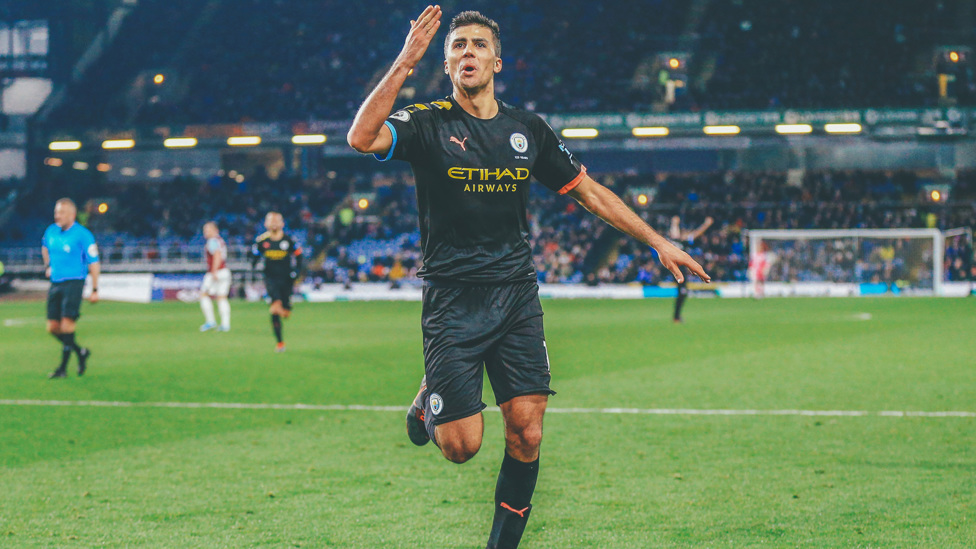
[673, 259]
[422, 31]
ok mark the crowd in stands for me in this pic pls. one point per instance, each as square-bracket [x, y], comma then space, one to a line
[832, 53]
[572, 246]
[348, 242]
[294, 60]
[167, 216]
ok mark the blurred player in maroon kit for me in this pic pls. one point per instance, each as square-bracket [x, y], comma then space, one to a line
[216, 283]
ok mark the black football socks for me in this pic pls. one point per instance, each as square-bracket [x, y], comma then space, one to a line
[276, 324]
[678, 303]
[513, 496]
[68, 345]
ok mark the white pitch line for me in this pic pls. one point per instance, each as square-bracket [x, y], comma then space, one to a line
[368, 408]
[15, 322]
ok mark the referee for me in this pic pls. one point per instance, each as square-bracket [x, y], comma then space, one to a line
[70, 254]
[472, 157]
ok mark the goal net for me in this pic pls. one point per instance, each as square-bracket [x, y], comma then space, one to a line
[858, 261]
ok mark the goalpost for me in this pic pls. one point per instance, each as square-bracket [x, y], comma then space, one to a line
[868, 261]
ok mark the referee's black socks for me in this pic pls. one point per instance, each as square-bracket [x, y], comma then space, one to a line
[513, 496]
[68, 345]
[276, 324]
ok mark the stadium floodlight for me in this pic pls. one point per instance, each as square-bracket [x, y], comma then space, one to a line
[118, 144]
[180, 142]
[658, 131]
[103, 167]
[52, 161]
[580, 133]
[64, 145]
[721, 130]
[129, 171]
[79, 165]
[842, 128]
[793, 129]
[244, 141]
[316, 139]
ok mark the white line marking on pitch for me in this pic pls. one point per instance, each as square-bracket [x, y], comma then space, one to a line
[365, 408]
[13, 322]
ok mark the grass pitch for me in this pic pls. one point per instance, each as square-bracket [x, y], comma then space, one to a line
[85, 476]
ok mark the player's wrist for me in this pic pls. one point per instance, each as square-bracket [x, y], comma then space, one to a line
[404, 66]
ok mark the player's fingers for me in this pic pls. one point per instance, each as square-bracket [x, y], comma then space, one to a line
[425, 16]
[676, 271]
[432, 23]
[433, 28]
[698, 270]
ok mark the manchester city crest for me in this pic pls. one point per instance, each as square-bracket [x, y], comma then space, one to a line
[519, 142]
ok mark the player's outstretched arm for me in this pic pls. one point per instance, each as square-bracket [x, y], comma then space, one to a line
[606, 205]
[368, 134]
[693, 235]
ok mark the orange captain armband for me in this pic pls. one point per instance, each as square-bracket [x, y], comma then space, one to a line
[576, 181]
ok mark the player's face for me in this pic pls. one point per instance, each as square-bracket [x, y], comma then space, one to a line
[274, 223]
[64, 215]
[471, 61]
[209, 231]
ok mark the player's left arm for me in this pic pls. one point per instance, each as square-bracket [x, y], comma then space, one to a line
[94, 265]
[693, 235]
[95, 270]
[299, 261]
[255, 254]
[47, 260]
[606, 205]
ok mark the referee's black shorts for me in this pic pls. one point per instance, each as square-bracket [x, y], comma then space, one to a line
[499, 327]
[64, 299]
[280, 289]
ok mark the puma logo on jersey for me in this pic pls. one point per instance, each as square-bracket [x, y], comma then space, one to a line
[459, 142]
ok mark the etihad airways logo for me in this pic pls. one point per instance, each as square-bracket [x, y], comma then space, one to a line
[492, 180]
[488, 174]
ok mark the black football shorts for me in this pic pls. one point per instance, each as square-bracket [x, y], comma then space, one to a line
[280, 289]
[64, 299]
[466, 328]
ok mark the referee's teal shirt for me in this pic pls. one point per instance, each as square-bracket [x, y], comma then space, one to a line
[71, 251]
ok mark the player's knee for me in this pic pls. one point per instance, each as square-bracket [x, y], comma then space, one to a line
[54, 328]
[460, 450]
[525, 439]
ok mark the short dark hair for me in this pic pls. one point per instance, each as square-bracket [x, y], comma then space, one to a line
[472, 17]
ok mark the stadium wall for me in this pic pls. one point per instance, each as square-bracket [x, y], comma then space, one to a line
[148, 287]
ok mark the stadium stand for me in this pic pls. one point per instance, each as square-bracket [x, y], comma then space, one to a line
[381, 243]
[294, 62]
[797, 54]
[222, 64]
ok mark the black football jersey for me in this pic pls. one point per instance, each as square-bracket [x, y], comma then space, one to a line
[473, 179]
[281, 257]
